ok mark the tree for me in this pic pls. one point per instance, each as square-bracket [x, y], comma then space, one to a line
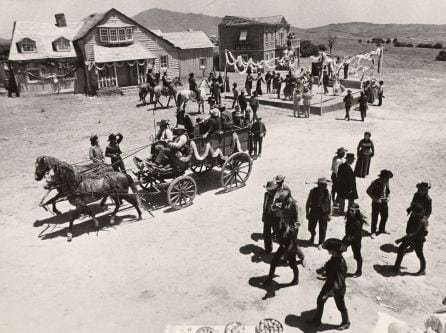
[437, 46]
[388, 41]
[322, 47]
[441, 56]
[360, 41]
[307, 48]
[331, 40]
[368, 41]
[395, 40]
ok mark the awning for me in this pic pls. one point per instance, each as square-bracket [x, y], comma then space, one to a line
[121, 53]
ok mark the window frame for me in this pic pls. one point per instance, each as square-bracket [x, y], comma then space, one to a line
[164, 56]
[114, 31]
[106, 34]
[202, 62]
[27, 41]
[62, 41]
[127, 34]
[243, 37]
[124, 34]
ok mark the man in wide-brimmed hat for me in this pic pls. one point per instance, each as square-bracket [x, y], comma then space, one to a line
[334, 286]
[379, 192]
[346, 186]
[337, 160]
[318, 210]
[163, 137]
[193, 85]
[269, 218]
[213, 123]
[95, 152]
[178, 145]
[242, 101]
[258, 130]
[114, 151]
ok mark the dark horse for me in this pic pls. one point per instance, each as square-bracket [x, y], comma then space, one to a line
[158, 91]
[82, 191]
[45, 163]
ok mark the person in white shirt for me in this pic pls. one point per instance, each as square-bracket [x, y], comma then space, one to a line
[337, 160]
[168, 154]
[163, 137]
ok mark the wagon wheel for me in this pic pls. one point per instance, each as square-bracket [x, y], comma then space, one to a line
[181, 192]
[235, 171]
[147, 182]
[201, 167]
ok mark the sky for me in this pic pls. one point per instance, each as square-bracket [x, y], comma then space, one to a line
[300, 13]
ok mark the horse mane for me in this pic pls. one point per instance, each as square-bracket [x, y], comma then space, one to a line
[48, 161]
[67, 175]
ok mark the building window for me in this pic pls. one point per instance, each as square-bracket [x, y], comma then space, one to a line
[121, 35]
[113, 34]
[281, 40]
[129, 34]
[103, 34]
[202, 62]
[243, 35]
[164, 61]
[61, 45]
[27, 45]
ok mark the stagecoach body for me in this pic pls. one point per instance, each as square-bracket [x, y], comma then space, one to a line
[226, 151]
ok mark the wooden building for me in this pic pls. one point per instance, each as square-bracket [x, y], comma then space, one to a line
[261, 38]
[195, 52]
[43, 57]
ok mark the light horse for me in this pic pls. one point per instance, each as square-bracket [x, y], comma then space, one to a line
[82, 191]
[160, 90]
[45, 163]
[188, 95]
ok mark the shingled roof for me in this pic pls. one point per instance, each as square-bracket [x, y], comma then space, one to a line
[188, 39]
[43, 34]
[89, 23]
[238, 20]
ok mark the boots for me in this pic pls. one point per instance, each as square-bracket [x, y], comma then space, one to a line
[295, 280]
[345, 325]
[358, 272]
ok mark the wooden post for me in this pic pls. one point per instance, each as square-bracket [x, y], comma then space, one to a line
[137, 72]
[226, 74]
[116, 74]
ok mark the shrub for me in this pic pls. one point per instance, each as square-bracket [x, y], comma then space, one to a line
[402, 44]
[378, 41]
[424, 46]
[395, 40]
[441, 56]
[388, 41]
[437, 46]
[307, 48]
[322, 47]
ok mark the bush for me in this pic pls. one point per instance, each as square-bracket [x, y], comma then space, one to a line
[437, 46]
[378, 41]
[307, 48]
[424, 46]
[322, 47]
[388, 41]
[395, 40]
[441, 56]
[402, 44]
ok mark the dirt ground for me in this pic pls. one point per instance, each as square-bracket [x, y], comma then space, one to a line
[204, 264]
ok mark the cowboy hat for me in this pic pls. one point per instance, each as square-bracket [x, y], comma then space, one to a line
[341, 150]
[279, 179]
[322, 181]
[334, 244]
[350, 155]
[386, 174]
[111, 137]
[163, 122]
[270, 185]
[354, 206]
[93, 138]
[424, 185]
[180, 127]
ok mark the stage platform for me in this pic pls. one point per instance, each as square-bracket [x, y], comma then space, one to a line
[320, 103]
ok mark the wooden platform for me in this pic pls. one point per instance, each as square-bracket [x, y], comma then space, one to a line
[329, 102]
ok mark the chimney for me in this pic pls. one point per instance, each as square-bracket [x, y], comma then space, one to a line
[60, 20]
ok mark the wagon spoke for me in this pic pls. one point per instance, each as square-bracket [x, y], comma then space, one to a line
[229, 180]
[241, 179]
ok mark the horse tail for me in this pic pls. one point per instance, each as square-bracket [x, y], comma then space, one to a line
[134, 189]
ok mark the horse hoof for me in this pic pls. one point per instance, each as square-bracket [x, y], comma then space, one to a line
[112, 220]
[69, 237]
[96, 224]
[139, 218]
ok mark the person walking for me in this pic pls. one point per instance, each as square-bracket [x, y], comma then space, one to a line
[318, 210]
[307, 96]
[114, 152]
[269, 218]
[287, 210]
[380, 93]
[325, 81]
[258, 130]
[95, 154]
[354, 221]
[297, 101]
[248, 83]
[334, 286]
[259, 81]
[363, 105]
[242, 101]
[216, 88]
[337, 160]
[365, 151]
[254, 104]
[348, 101]
[379, 192]
[235, 94]
[268, 79]
[346, 186]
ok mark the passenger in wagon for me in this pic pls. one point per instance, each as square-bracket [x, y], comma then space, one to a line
[214, 124]
[226, 119]
[163, 137]
[168, 154]
[184, 119]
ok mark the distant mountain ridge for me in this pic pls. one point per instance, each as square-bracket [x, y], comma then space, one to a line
[170, 21]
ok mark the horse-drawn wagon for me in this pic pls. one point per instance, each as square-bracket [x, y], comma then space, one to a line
[226, 151]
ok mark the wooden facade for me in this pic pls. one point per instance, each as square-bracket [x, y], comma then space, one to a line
[261, 38]
[192, 60]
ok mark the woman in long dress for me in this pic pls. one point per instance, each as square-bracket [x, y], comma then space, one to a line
[366, 151]
[259, 84]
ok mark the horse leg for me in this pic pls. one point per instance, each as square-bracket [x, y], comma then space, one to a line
[74, 216]
[158, 101]
[93, 216]
[117, 200]
[103, 201]
[132, 200]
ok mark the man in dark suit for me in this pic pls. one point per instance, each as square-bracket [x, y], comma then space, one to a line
[325, 81]
[347, 183]
[151, 81]
[258, 130]
[269, 218]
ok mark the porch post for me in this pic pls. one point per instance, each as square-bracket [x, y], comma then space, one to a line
[116, 74]
[137, 72]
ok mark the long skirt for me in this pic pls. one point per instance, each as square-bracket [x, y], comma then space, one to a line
[362, 166]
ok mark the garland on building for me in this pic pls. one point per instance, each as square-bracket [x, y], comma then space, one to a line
[91, 64]
[287, 60]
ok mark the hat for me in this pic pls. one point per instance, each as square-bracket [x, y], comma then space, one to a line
[214, 112]
[424, 186]
[350, 155]
[93, 138]
[191, 74]
[334, 244]
[259, 118]
[367, 132]
[163, 122]
[179, 127]
[237, 114]
[341, 150]
[322, 180]
[279, 179]
[222, 108]
[111, 137]
[386, 174]
[354, 207]
[270, 185]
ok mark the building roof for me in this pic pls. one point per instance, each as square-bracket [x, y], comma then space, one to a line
[238, 20]
[89, 23]
[121, 53]
[157, 32]
[186, 40]
[43, 34]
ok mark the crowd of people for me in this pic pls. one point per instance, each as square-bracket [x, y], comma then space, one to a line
[282, 217]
